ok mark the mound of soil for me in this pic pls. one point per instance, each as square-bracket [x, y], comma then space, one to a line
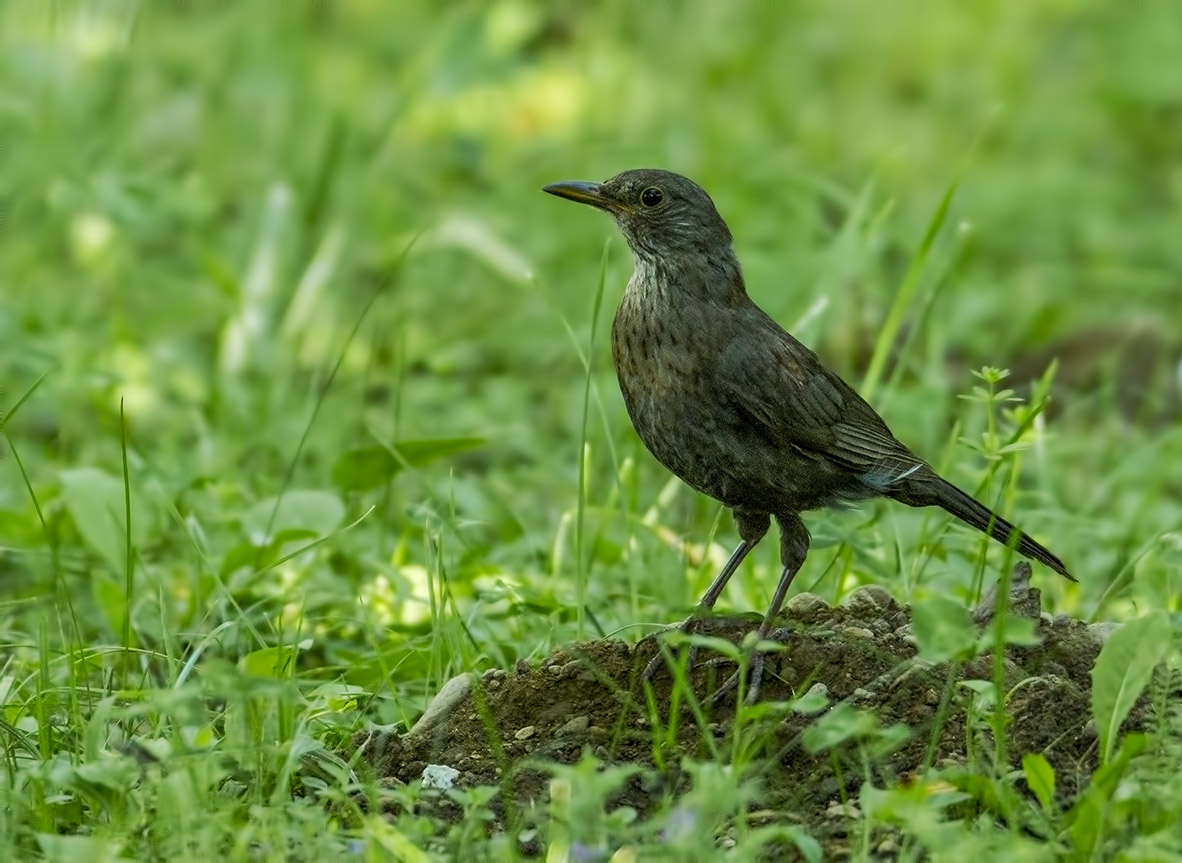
[494, 729]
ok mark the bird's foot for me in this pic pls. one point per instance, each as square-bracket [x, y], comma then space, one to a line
[756, 660]
[754, 678]
[686, 627]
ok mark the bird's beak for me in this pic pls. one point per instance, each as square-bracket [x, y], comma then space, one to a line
[584, 193]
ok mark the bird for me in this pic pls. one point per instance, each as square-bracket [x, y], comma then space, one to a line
[738, 408]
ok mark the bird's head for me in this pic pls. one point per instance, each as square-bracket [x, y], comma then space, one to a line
[660, 213]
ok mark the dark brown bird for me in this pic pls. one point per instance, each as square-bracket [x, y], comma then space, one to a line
[734, 405]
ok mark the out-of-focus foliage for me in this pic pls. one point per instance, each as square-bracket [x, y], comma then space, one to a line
[290, 262]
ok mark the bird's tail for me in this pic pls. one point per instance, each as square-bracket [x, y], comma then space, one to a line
[930, 489]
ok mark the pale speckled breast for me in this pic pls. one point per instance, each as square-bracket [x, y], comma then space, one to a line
[664, 361]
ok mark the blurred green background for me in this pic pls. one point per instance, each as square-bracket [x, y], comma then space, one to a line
[287, 237]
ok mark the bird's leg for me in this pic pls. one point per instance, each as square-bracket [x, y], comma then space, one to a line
[704, 606]
[752, 528]
[794, 546]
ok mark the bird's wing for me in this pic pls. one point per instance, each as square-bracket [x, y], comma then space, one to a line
[782, 386]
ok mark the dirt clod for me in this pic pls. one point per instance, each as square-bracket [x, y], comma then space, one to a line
[587, 698]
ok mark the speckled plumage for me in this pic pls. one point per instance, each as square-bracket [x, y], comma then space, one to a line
[734, 405]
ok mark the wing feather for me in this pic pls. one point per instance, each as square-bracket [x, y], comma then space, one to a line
[782, 386]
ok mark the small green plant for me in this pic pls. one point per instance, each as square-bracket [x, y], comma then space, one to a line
[1123, 670]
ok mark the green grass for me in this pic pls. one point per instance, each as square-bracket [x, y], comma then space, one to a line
[310, 407]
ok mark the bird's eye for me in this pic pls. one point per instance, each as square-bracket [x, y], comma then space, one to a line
[651, 196]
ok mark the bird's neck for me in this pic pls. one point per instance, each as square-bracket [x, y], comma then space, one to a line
[710, 276]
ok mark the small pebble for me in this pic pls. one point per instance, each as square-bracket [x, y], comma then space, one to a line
[931, 697]
[868, 600]
[910, 669]
[838, 809]
[1103, 629]
[818, 689]
[858, 632]
[889, 845]
[525, 733]
[439, 776]
[575, 725]
[805, 605]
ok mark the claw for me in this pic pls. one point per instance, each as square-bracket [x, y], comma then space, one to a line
[754, 679]
[756, 661]
[655, 663]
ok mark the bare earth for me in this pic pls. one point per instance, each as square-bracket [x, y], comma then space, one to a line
[496, 728]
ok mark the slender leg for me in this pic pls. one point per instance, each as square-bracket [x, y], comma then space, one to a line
[752, 528]
[794, 547]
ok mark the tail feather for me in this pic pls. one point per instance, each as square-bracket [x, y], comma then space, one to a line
[931, 489]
